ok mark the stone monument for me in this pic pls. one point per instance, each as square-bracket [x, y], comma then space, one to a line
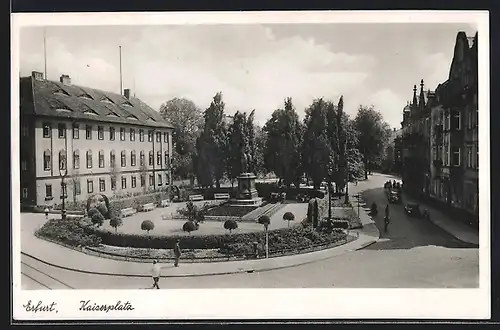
[247, 193]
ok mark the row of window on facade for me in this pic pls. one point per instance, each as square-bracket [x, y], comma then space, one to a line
[47, 162]
[61, 133]
[102, 184]
[453, 156]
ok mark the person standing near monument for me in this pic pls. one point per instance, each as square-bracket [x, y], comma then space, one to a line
[177, 253]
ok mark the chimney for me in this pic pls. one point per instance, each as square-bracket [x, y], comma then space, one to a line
[37, 75]
[65, 79]
[126, 93]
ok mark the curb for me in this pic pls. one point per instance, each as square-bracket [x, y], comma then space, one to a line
[238, 271]
[366, 244]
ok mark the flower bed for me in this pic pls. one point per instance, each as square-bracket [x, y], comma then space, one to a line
[202, 255]
[277, 238]
[231, 211]
[80, 233]
[70, 231]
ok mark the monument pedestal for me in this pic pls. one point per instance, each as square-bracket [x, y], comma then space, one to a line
[247, 194]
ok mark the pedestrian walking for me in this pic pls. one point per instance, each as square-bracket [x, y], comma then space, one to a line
[387, 210]
[46, 211]
[177, 252]
[155, 273]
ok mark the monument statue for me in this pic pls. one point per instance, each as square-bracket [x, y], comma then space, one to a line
[247, 193]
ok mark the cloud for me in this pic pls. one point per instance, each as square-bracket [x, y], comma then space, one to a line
[251, 66]
[255, 66]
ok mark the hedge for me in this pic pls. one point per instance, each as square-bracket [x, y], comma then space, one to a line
[277, 238]
[264, 190]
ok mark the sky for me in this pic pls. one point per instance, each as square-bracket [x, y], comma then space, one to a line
[254, 66]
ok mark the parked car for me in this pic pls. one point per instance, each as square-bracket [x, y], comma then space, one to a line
[413, 210]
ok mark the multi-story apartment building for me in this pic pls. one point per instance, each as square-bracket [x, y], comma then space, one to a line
[98, 141]
[455, 131]
[415, 139]
[452, 145]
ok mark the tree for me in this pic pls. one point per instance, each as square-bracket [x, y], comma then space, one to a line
[317, 149]
[147, 225]
[288, 216]
[211, 145]
[193, 213]
[260, 144]
[373, 134]
[264, 220]
[282, 154]
[236, 145]
[230, 225]
[75, 183]
[355, 167]
[187, 120]
[189, 226]
[116, 222]
[143, 173]
[97, 219]
[114, 173]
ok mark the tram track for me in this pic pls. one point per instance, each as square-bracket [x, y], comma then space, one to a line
[30, 270]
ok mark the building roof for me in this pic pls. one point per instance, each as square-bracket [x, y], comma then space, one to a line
[55, 99]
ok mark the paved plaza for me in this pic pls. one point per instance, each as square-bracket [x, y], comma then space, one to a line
[414, 253]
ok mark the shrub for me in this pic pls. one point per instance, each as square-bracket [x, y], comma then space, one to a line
[264, 220]
[98, 219]
[116, 222]
[288, 216]
[326, 226]
[103, 210]
[230, 225]
[96, 200]
[189, 226]
[69, 232]
[92, 211]
[147, 225]
[193, 212]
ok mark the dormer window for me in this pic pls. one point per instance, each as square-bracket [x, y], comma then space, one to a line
[86, 97]
[63, 109]
[127, 104]
[107, 100]
[61, 92]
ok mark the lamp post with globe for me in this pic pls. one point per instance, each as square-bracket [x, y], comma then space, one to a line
[63, 171]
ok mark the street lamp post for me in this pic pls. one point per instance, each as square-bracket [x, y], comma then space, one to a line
[63, 171]
[267, 241]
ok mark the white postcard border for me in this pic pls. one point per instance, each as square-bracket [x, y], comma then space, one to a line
[265, 303]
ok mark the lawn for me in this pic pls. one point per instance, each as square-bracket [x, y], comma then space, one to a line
[132, 225]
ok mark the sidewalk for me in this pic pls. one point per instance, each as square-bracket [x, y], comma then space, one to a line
[61, 257]
[455, 228]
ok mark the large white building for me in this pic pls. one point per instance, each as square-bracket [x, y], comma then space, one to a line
[113, 144]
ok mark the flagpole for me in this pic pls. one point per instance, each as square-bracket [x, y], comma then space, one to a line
[45, 51]
[121, 81]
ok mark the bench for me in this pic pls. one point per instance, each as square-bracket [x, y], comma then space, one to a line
[194, 198]
[165, 203]
[148, 207]
[221, 196]
[128, 211]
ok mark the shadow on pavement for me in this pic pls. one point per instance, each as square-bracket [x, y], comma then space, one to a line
[405, 232]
